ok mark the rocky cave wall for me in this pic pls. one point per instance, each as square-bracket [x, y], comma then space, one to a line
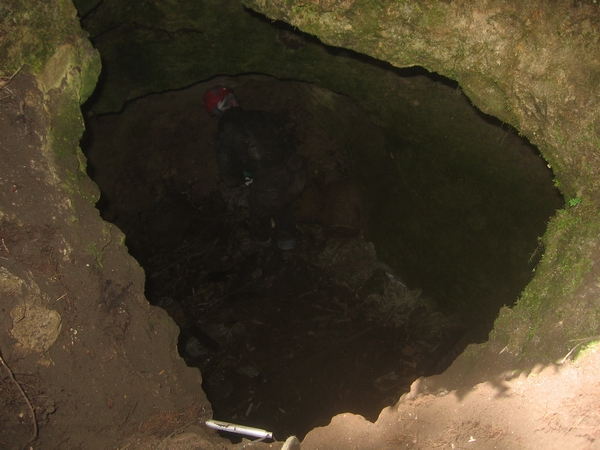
[72, 298]
[534, 67]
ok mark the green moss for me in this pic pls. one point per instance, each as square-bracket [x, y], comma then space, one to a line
[47, 38]
[586, 347]
[95, 252]
[32, 30]
[91, 66]
[563, 260]
[559, 304]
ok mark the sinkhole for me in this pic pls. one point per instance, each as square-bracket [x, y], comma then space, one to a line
[420, 218]
[412, 235]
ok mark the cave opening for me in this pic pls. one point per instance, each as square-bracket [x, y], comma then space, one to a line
[405, 254]
[415, 227]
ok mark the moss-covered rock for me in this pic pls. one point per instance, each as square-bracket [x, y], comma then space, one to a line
[533, 67]
[73, 297]
[32, 30]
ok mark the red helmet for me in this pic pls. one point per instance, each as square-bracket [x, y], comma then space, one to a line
[213, 96]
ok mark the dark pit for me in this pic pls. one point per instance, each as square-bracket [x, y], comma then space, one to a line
[407, 249]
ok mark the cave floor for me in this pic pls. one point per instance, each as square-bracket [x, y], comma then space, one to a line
[291, 338]
[322, 341]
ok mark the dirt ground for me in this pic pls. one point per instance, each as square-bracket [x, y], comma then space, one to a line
[552, 407]
[287, 339]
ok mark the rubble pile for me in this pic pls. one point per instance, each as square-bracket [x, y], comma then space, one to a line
[289, 339]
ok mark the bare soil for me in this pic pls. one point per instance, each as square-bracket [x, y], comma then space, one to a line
[552, 407]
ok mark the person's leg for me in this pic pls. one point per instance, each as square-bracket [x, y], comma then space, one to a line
[285, 226]
[260, 227]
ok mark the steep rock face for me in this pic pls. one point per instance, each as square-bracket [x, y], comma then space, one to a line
[531, 65]
[77, 332]
[150, 47]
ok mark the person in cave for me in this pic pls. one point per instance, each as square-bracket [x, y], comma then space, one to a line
[254, 151]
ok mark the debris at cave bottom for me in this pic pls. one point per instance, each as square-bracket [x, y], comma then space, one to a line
[290, 339]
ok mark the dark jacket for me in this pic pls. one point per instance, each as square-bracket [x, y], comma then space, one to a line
[249, 141]
[256, 142]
